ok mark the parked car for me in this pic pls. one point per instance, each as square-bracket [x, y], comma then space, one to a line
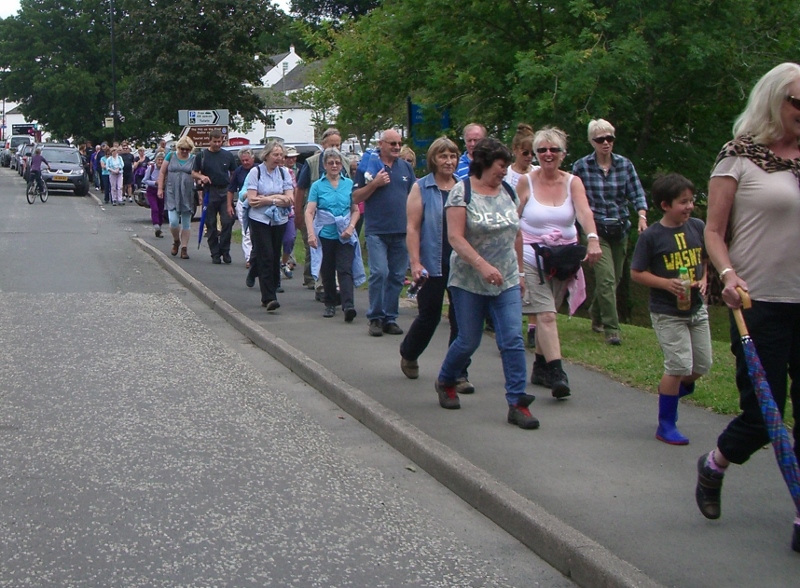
[10, 147]
[66, 169]
[23, 155]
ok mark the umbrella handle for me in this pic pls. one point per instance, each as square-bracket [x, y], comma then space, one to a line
[737, 312]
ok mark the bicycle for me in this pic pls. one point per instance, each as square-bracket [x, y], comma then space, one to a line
[33, 190]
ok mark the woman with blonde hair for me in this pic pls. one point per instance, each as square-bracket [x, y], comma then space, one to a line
[752, 239]
[176, 175]
[522, 148]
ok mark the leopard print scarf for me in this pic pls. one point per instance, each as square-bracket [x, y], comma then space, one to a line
[760, 155]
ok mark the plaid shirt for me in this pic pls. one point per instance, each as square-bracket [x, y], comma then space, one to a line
[610, 195]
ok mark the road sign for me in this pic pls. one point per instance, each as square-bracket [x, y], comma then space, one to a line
[203, 117]
[201, 135]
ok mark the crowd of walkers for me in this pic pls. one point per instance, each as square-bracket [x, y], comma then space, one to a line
[506, 234]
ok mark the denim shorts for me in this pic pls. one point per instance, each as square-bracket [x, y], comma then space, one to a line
[685, 342]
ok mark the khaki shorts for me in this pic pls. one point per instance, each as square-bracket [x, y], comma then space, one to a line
[539, 298]
[685, 342]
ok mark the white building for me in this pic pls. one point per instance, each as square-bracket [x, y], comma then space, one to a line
[286, 118]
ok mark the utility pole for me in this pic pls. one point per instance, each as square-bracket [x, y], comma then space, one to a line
[113, 72]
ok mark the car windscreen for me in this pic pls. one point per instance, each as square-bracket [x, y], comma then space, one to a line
[17, 141]
[54, 156]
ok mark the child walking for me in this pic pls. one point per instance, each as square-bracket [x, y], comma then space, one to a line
[661, 252]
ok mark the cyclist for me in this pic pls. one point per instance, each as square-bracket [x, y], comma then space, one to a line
[36, 169]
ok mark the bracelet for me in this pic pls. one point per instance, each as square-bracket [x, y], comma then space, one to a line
[592, 236]
[521, 274]
[725, 271]
[643, 217]
[477, 259]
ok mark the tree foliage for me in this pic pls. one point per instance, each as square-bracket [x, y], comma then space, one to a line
[54, 60]
[671, 76]
[315, 11]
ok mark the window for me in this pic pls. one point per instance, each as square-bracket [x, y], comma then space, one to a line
[270, 122]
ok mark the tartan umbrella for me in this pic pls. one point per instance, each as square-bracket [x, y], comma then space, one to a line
[202, 217]
[787, 460]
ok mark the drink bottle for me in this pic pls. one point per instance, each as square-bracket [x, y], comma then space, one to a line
[685, 299]
[416, 285]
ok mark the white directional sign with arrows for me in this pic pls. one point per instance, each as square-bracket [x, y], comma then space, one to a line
[203, 117]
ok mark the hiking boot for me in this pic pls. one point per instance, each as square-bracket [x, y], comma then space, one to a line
[709, 487]
[448, 397]
[250, 281]
[329, 312]
[273, 305]
[287, 271]
[540, 376]
[376, 328]
[216, 259]
[597, 327]
[518, 414]
[159, 233]
[226, 257]
[175, 246]
[613, 340]
[463, 386]
[349, 314]
[409, 367]
[184, 253]
[559, 384]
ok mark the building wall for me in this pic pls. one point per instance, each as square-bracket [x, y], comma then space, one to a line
[299, 130]
[274, 76]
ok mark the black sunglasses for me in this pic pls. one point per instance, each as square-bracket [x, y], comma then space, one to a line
[550, 149]
[794, 102]
[394, 143]
[526, 153]
[606, 139]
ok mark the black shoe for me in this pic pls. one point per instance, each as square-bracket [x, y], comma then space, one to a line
[559, 384]
[540, 376]
[796, 538]
[226, 257]
[709, 487]
[280, 290]
[216, 260]
[376, 328]
[273, 305]
[392, 329]
[349, 314]
[329, 312]
[319, 296]
[448, 398]
[518, 414]
[250, 281]
[409, 367]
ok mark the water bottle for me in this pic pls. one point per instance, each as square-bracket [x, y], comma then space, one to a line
[685, 299]
[415, 286]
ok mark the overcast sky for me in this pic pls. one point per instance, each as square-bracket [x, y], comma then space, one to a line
[8, 7]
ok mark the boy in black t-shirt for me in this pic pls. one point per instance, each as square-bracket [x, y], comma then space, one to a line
[684, 335]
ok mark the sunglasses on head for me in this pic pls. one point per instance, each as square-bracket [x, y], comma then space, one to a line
[550, 149]
[606, 139]
[794, 102]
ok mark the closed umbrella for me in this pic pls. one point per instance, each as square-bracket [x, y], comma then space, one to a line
[787, 460]
[202, 217]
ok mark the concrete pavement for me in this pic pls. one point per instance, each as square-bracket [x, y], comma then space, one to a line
[145, 442]
[592, 491]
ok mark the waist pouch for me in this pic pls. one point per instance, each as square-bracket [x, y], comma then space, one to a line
[613, 229]
[559, 261]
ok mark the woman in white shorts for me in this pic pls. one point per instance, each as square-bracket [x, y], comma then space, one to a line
[550, 202]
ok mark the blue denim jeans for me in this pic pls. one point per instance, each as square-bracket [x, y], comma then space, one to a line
[506, 312]
[388, 262]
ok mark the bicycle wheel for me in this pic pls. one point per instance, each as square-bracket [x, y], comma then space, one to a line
[30, 193]
[43, 194]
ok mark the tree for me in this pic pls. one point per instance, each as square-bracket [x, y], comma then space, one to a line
[315, 11]
[54, 61]
[195, 54]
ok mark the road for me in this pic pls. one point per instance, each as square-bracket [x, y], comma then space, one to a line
[145, 442]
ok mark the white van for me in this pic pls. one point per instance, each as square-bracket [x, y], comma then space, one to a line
[11, 145]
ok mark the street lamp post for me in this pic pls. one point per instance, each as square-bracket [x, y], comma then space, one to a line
[113, 72]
